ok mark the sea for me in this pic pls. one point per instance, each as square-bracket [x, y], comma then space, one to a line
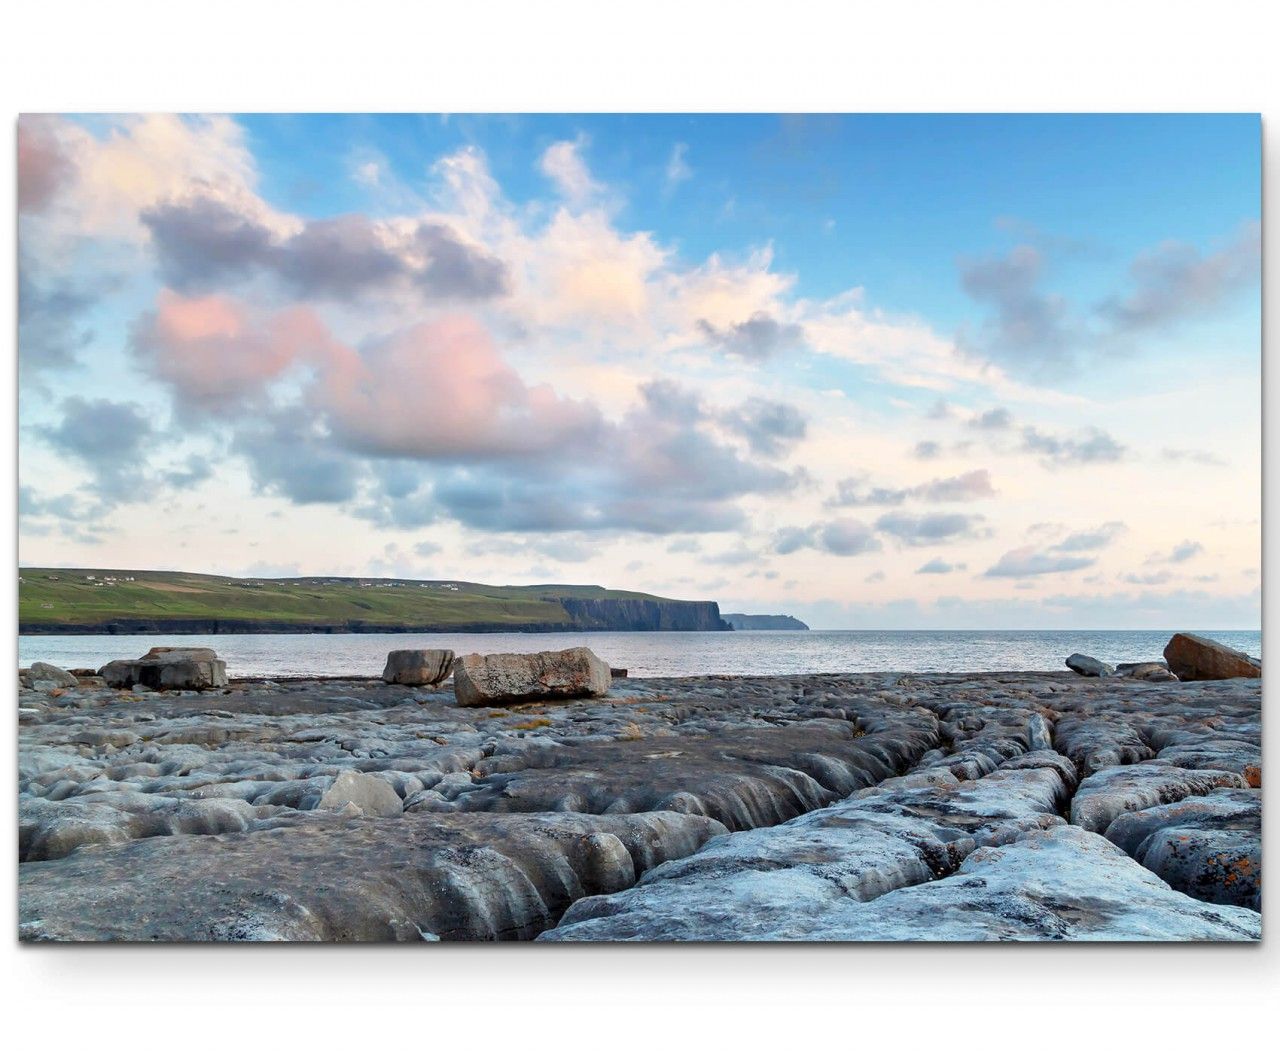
[652, 654]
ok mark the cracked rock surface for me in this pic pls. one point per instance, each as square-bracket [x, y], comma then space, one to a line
[822, 807]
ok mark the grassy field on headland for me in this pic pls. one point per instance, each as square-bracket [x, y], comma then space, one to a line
[62, 597]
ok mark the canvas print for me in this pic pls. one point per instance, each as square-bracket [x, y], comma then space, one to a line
[639, 527]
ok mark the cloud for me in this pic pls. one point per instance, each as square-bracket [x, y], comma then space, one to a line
[216, 355]
[1086, 541]
[971, 486]
[733, 557]
[562, 163]
[201, 241]
[926, 450]
[1038, 332]
[847, 538]
[1029, 329]
[930, 529]
[476, 406]
[938, 566]
[1199, 457]
[839, 537]
[994, 420]
[43, 164]
[290, 456]
[1154, 578]
[758, 338]
[195, 471]
[1028, 561]
[1174, 280]
[1093, 446]
[1180, 554]
[769, 427]
[110, 439]
[678, 169]
[52, 319]
[508, 455]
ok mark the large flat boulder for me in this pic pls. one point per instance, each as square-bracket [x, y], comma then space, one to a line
[1195, 658]
[418, 666]
[168, 668]
[503, 679]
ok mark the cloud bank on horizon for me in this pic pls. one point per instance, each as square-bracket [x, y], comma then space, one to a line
[881, 372]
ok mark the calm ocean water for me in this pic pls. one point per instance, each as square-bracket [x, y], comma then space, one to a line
[653, 654]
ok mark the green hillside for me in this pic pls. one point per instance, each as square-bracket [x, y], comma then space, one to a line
[88, 597]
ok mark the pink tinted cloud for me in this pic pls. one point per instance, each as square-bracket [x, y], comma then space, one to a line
[42, 164]
[216, 355]
[437, 390]
[441, 389]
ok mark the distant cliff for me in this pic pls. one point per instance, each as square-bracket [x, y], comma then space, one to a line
[628, 613]
[738, 621]
[97, 600]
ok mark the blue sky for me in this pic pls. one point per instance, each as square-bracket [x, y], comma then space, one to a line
[785, 362]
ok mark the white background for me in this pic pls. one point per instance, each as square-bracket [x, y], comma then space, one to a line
[788, 55]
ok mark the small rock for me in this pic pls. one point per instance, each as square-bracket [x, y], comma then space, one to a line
[372, 796]
[1145, 671]
[1088, 666]
[1196, 658]
[418, 666]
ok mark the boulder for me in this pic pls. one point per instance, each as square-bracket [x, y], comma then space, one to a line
[164, 668]
[1088, 666]
[372, 796]
[1195, 658]
[418, 666]
[44, 675]
[503, 679]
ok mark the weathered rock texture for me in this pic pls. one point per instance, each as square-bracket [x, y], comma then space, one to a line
[1209, 846]
[418, 667]
[875, 806]
[161, 668]
[1195, 658]
[502, 679]
[312, 877]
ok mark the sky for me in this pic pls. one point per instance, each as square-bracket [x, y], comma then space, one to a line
[884, 372]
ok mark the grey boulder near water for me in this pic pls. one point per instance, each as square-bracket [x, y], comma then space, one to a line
[161, 668]
[43, 675]
[418, 666]
[1088, 666]
[503, 679]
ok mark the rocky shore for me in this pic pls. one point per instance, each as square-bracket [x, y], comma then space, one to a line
[894, 806]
